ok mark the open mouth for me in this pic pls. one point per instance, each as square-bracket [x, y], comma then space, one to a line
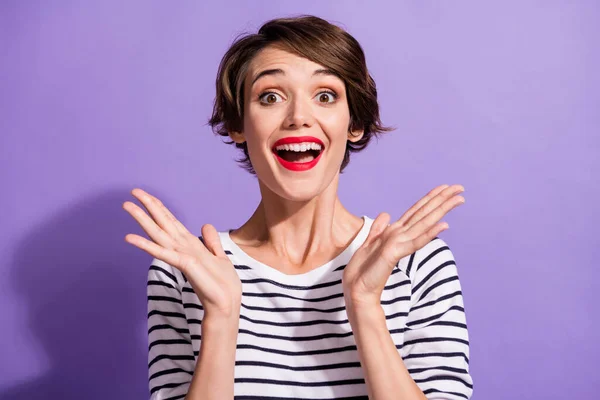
[298, 156]
[298, 153]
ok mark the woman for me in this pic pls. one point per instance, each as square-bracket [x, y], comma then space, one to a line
[304, 300]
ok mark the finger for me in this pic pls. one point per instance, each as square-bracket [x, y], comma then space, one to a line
[157, 210]
[148, 225]
[381, 222]
[212, 240]
[169, 215]
[432, 204]
[425, 223]
[428, 236]
[171, 257]
[434, 192]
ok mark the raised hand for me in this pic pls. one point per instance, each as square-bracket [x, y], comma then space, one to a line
[371, 265]
[207, 267]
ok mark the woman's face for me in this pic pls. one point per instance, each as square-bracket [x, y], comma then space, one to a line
[292, 99]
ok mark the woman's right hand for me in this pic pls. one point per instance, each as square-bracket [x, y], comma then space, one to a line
[207, 267]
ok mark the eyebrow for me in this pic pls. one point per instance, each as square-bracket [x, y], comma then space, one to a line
[278, 71]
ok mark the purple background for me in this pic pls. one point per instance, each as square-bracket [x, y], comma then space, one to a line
[99, 98]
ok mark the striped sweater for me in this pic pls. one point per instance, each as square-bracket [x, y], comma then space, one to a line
[295, 341]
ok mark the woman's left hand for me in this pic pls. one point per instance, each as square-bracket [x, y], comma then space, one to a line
[367, 272]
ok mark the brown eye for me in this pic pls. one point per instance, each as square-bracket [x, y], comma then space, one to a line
[269, 98]
[326, 97]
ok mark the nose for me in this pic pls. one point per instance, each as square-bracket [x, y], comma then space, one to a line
[299, 113]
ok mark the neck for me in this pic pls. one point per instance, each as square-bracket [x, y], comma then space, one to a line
[300, 230]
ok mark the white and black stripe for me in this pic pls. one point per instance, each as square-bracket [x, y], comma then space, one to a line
[294, 337]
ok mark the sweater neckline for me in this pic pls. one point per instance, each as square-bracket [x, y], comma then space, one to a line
[309, 277]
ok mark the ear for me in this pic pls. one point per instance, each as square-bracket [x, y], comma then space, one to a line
[355, 135]
[237, 137]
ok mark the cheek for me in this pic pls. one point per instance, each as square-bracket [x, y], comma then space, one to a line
[336, 127]
[337, 117]
[259, 116]
[258, 126]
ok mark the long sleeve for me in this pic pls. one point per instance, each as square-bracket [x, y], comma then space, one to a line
[436, 342]
[170, 354]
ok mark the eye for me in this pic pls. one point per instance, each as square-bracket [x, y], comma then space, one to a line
[270, 98]
[327, 96]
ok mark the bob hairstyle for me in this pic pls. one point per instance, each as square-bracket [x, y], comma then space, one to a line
[317, 40]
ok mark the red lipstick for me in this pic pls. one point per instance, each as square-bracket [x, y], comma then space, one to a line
[297, 166]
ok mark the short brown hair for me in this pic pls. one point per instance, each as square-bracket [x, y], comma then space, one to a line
[312, 38]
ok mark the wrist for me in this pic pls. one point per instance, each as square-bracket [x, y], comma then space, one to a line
[221, 321]
[361, 309]
[356, 301]
[226, 311]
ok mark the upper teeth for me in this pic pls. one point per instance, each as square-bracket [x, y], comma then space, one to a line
[299, 146]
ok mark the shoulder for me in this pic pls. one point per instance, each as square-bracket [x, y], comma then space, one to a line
[434, 273]
[164, 272]
[433, 256]
[436, 248]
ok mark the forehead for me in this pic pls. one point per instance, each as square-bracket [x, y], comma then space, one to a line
[272, 57]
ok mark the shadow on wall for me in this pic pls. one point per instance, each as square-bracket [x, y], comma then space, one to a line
[85, 291]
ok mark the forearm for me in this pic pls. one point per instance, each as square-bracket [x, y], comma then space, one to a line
[214, 373]
[385, 374]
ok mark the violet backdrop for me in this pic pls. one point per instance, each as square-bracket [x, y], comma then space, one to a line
[97, 98]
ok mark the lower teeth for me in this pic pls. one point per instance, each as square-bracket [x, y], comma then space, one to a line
[305, 159]
[297, 157]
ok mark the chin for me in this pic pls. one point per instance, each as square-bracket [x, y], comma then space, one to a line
[300, 190]
[296, 186]
[300, 193]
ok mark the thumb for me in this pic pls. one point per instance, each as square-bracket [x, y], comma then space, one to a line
[381, 222]
[212, 240]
